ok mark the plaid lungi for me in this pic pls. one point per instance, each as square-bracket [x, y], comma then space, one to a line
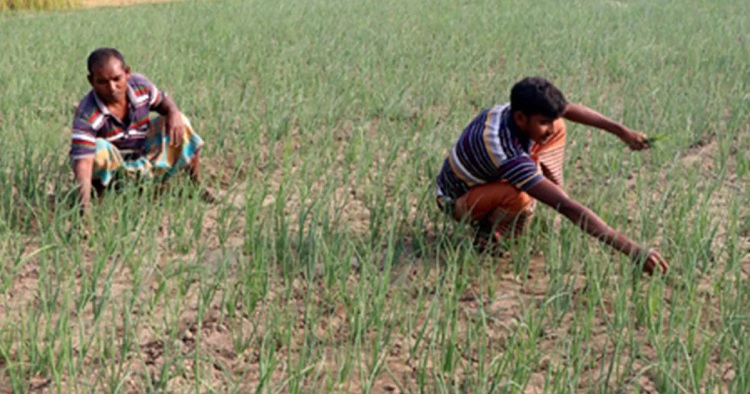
[159, 161]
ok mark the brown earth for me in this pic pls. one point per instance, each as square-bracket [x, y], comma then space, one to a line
[215, 334]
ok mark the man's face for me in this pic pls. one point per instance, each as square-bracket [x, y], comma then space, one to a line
[538, 127]
[110, 81]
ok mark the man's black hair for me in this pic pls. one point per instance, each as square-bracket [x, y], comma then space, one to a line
[537, 96]
[101, 55]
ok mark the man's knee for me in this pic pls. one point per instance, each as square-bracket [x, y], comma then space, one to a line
[482, 201]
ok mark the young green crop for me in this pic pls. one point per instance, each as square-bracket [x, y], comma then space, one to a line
[325, 265]
[656, 137]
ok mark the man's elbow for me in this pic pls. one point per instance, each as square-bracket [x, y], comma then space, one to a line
[167, 106]
[569, 111]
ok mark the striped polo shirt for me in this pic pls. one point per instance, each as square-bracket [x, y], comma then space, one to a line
[490, 148]
[93, 120]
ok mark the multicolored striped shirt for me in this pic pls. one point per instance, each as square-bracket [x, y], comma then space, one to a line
[93, 120]
[490, 148]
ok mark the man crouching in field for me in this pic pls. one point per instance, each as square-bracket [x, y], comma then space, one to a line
[512, 154]
[113, 134]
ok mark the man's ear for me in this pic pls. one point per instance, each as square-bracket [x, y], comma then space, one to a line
[91, 79]
[520, 119]
[127, 72]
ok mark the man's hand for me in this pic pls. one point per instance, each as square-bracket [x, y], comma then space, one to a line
[634, 140]
[83, 169]
[550, 194]
[175, 127]
[652, 263]
[581, 114]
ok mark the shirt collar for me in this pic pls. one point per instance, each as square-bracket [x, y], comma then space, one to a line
[517, 134]
[102, 107]
[99, 104]
[131, 95]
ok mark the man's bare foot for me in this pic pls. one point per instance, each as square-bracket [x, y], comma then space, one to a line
[488, 240]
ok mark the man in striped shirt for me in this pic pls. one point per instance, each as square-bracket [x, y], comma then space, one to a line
[512, 154]
[114, 134]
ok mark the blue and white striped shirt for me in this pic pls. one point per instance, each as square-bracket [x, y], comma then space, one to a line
[489, 149]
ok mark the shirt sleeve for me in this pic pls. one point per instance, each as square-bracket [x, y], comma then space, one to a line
[521, 172]
[84, 138]
[141, 84]
[156, 96]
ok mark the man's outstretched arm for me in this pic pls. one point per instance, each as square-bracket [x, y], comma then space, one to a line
[581, 114]
[551, 195]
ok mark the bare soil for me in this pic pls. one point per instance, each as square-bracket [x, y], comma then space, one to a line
[215, 335]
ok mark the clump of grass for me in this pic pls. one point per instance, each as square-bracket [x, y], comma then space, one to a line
[656, 138]
[37, 4]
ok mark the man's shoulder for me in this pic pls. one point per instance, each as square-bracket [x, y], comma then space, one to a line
[87, 110]
[144, 91]
[139, 81]
[136, 77]
[499, 110]
[492, 119]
